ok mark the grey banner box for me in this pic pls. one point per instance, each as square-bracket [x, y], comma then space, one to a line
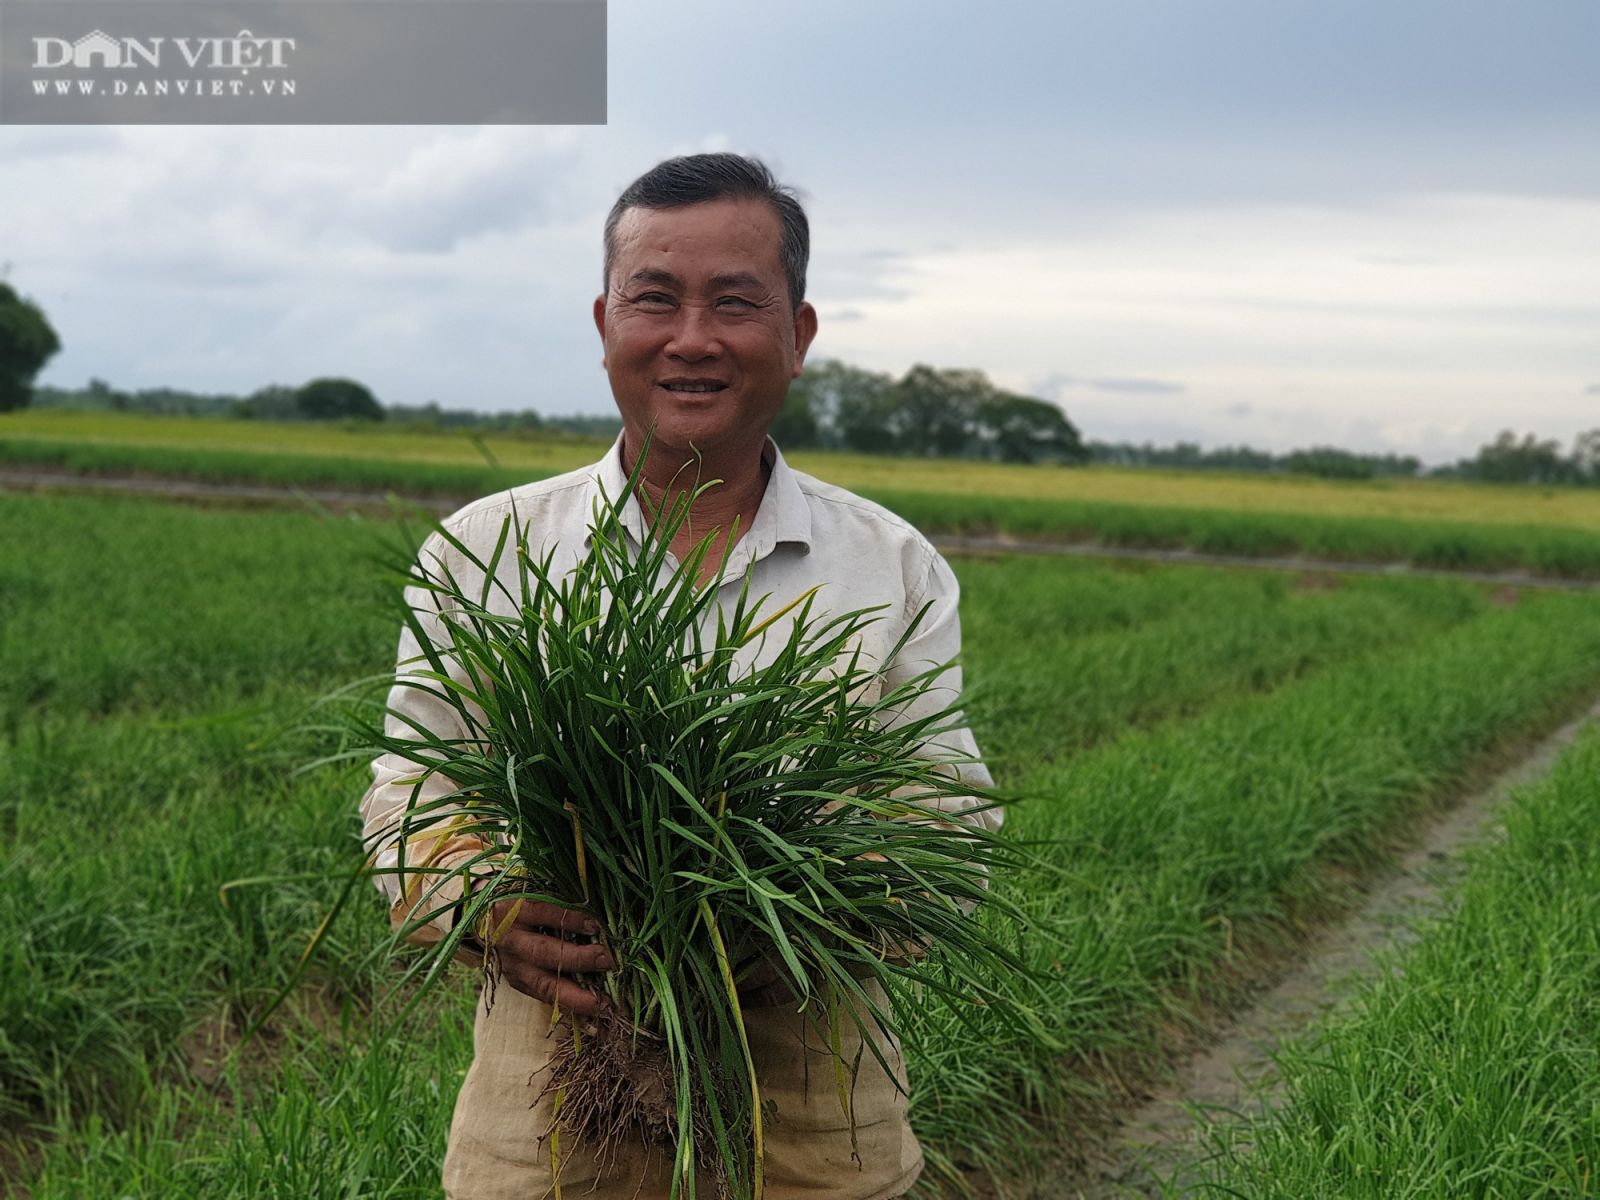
[302, 62]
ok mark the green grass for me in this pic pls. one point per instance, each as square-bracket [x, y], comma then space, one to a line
[284, 470]
[1472, 1069]
[1199, 745]
[1448, 545]
[1054, 673]
[1172, 843]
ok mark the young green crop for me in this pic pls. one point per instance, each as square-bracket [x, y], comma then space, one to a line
[1472, 1068]
[154, 728]
[621, 746]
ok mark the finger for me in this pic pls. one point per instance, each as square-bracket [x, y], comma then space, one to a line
[552, 954]
[552, 989]
[536, 914]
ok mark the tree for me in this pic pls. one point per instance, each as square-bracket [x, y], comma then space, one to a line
[847, 405]
[26, 343]
[336, 399]
[275, 402]
[1329, 462]
[796, 424]
[1022, 429]
[1508, 460]
[934, 410]
[1586, 455]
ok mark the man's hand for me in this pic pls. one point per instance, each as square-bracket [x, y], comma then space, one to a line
[530, 940]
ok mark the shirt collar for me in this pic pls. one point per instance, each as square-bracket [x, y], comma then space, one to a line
[783, 518]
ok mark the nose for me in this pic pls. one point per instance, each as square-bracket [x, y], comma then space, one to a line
[694, 334]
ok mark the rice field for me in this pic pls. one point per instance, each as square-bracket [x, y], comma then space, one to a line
[1205, 759]
[1551, 531]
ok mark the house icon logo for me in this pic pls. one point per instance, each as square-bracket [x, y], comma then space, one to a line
[96, 49]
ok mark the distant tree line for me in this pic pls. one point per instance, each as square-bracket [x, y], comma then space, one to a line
[928, 411]
[1531, 459]
[1329, 462]
[329, 399]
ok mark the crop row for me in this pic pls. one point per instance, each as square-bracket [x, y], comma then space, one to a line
[1472, 1068]
[1176, 850]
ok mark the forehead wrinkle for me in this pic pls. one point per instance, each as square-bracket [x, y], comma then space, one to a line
[723, 279]
[737, 279]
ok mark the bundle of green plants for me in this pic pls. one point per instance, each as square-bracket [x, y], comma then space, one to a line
[730, 789]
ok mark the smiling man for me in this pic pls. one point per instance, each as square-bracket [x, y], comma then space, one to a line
[704, 324]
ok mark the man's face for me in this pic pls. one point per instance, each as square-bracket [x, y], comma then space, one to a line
[700, 339]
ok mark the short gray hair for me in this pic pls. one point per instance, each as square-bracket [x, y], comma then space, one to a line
[699, 178]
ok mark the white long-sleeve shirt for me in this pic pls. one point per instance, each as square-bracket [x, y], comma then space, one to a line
[806, 533]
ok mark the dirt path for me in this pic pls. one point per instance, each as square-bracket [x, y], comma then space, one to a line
[1155, 1143]
[18, 479]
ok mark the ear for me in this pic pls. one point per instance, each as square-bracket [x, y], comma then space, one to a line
[805, 329]
[600, 324]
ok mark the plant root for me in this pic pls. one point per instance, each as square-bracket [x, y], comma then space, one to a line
[615, 1086]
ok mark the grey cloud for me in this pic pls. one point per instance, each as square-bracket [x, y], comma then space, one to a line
[1146, 387]
[1241, 409]
[1398, 260]
[1592, 390]
[866, 275]
[844, 316]
[1051, 386]
[18, 142]
[1054, 385]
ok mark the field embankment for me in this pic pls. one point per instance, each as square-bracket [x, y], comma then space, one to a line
[1547, 531]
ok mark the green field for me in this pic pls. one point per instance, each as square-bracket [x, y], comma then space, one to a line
[1206, 759]
[1550, 531]
[1473, 1070]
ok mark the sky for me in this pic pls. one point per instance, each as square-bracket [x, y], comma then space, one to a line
[1273, 222]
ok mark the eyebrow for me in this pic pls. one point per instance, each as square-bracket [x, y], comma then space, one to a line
[729, 279]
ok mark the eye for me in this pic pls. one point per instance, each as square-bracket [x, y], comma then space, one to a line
[653, 300]
[735, 302]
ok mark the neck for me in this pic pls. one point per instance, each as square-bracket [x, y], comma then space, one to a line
[728, 506]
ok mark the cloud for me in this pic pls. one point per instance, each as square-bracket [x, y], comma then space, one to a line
[1145, 387]
[1239, 409]
[1051, 386]
[1592, 390]
[1054, 385]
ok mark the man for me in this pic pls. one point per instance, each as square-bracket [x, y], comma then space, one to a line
[704, 325]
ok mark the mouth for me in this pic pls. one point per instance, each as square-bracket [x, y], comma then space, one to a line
[693, 387]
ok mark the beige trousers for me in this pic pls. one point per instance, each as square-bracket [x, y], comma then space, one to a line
[497, 1151]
